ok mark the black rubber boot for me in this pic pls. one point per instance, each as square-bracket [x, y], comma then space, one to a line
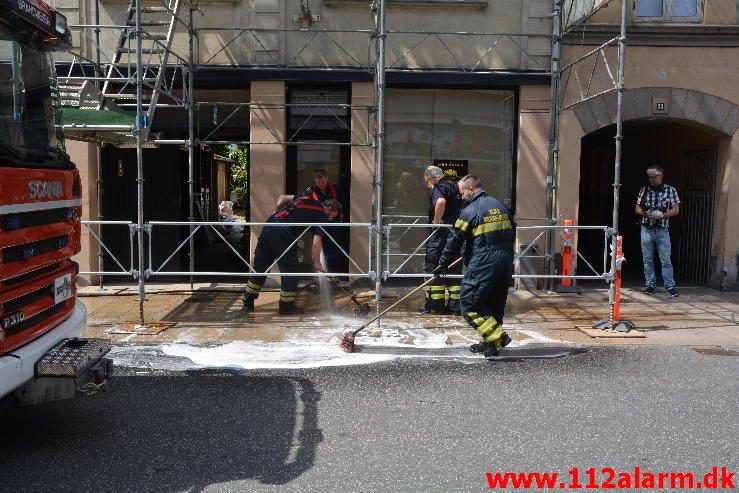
[248, 300]
[504, 340]
[289, 309]
[424, 309]
[493, 348]
[453, 308]
[479, 347]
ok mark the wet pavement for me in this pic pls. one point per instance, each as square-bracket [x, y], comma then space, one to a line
[213, 314]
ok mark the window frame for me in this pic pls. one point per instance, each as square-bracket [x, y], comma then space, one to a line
[667, 14]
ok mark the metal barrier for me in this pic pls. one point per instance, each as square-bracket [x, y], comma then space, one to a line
[103, 247]
[386, 249]
[196, 226]
[391, 271]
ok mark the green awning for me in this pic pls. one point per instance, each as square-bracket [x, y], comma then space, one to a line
[77, 116]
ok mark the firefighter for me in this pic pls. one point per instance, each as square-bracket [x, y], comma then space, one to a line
[444, 206]
[485, 225]
[324, 189]
[273, 241]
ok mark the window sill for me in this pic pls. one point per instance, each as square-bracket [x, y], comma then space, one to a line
[460, 4]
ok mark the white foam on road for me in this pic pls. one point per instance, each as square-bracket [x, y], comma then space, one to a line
[317, 347]
[241, 355]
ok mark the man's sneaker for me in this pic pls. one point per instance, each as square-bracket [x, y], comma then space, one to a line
[649, 290]
[673, 292]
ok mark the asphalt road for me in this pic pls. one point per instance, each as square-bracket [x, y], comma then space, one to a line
[405, 426]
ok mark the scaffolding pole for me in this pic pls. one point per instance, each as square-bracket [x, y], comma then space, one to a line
[553, 146]
[379, 141]
[617, 163]
[190, 136]
[140, 125]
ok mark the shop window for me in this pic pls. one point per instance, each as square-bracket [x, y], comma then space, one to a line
[669, 10]
[474, 128]
[426, 126]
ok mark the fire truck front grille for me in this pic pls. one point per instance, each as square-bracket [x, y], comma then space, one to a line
[11, 222]
[27, 299]
[33, 321]
[29, 250]
[30, 275]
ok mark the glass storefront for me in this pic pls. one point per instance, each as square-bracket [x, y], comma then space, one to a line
[429, 126]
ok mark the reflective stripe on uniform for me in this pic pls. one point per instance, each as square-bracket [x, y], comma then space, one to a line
[253, 288]
[460, 224]
[287, 296]
[495, 335]
[476, 318]
[488, 327]
[435, 292]
[454, 292]
[487, 228]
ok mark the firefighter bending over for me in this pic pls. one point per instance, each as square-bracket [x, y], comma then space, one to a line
[485, 225]
[273, 241]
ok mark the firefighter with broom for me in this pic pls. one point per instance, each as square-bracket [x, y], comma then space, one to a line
[486, 227]
[274, 240]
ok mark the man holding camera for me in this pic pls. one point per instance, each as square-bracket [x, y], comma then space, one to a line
[656, 204]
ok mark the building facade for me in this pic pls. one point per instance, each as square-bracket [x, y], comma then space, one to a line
[681, 111]
[468, 82]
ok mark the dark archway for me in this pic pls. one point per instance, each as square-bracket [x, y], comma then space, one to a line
[687, 152]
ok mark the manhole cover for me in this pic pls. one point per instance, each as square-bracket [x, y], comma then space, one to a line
[716, 352]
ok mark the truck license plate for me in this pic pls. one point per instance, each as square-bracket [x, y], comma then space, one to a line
[62, 288]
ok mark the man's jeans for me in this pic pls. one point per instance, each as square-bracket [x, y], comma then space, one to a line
[659, 237]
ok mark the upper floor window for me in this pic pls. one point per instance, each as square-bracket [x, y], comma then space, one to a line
[669, 10]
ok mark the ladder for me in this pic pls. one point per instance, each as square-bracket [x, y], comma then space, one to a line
[119, 87]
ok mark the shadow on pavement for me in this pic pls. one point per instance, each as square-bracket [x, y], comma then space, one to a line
[169, 433]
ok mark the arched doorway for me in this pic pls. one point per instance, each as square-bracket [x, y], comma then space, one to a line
[687, 152]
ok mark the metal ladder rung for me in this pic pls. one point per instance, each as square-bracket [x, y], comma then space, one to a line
[125, 96]
[147, 51]
[149, 23]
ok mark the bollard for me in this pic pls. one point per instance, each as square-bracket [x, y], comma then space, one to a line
[616, 311]
[614, 322]
[567, 286]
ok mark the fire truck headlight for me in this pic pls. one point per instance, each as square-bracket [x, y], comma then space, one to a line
[11, 222]
[61, 23]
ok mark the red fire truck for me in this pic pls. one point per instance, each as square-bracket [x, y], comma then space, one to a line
[43, 356]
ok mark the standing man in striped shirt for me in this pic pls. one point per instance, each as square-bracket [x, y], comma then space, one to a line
[656, 204]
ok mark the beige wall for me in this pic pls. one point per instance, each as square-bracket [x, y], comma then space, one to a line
[266, 161]
[727, 211]
[362, 166]
[704, 70]
[84, 155]
[306, 48]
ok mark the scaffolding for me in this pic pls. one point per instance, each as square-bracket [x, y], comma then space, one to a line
[145, 73]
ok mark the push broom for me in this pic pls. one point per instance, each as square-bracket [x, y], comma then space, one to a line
[347, 343]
